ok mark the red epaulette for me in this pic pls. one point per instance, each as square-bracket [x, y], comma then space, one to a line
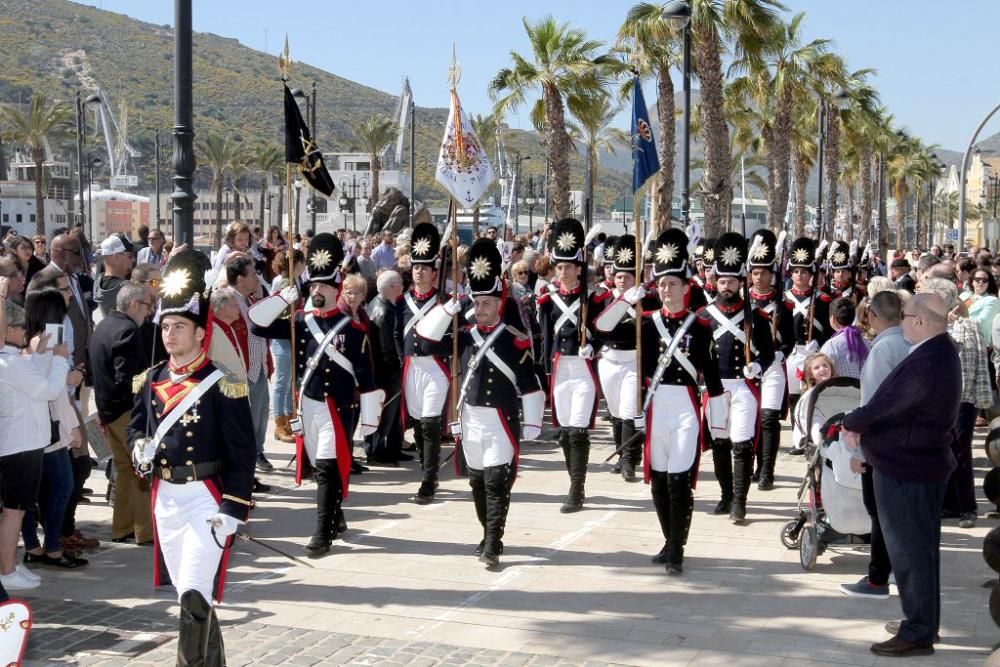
[360, 326]
[399, 298]
[599, 297]
[703, 317]
[543, 298]
[825, 297]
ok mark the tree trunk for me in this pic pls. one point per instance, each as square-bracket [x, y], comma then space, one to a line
[883, 201]
[218, 211]
[899, 194]
[801, 182]
[588, 203]
[281, 205]
[865, 186]
[39, 156]
[557, 146]
[665, 110]
[918, 227]
[376, 171]
[716, 189]
[264, 181]
[475, 223]
[832, 168]
[236, 202]
[779, 163]
[850, 213]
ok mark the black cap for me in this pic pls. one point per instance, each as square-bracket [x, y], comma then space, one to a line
[803, 254]
[670, 254]
[765, 253]
[566, 242]
[484, 265]
[323, 258]
[707, 253]
[425, 242]
[731, 255]
[624, 259]
[609, 250]
[182, 290]
[840, 255]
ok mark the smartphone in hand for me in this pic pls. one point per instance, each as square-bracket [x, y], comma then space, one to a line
[56, 334]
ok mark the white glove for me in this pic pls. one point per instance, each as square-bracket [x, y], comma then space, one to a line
[455, 428]
[634, 294]
[751, 370]
[531, 432]
[452, 306]
[587, 351]
[640, 422]
[290, 294]
[812, 346]
[779, 356]
[224, 524]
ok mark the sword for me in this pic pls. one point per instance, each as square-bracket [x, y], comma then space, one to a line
[246, 537]
[636, 437]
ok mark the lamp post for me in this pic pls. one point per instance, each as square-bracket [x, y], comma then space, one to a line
[298, 201]
[156, 152]
[351, 202]
[413, 158]
[92, 162]
[517, 190]
[678, 14]
[184, 163]
[310, 99]
[80, 120]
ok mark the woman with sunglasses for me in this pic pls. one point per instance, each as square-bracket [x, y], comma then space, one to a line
[41, 251]
[982, 301]
[23, 252]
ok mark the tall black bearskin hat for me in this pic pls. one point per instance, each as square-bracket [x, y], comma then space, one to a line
[731, 255]
[840, 256]
[567, 242]
[803, 254]
[609, 250]
[182, 290]
[707, 252]
[670, 254]
[484, 266]
[425, 242]
[765, 251]
[624, 259]
[324, 257]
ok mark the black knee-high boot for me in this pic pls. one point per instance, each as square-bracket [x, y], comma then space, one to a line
[329, 494]
[564, 445]
[431, 445]
[722, 461]
[579, 457]
[418, 441]
[192, 640]
[770, 435]
[681, 507]
[632, 453]
[616, 433]
[661, 501]
[742, 468]
[498, 485]
[477, 481]
[215, 655]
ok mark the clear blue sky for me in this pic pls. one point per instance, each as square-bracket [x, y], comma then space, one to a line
[937, 61]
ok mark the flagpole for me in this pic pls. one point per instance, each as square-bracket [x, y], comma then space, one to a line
[284, 64]
[637, 207]
[454, 317]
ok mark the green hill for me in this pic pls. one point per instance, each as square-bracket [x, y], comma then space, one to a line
[57, 47]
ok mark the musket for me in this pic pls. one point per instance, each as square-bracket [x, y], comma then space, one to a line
[779, 272]
[812, 292]
[747, 305]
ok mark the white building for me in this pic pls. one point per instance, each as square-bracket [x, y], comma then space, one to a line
[18, 209]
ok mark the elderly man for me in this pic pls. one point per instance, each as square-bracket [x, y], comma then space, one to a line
[117, 355]
[148, 275]
[386, 444]
[899, 271]
[905, 431]
[888, 349]
[366, 265]
[117, 252]
[153, 253]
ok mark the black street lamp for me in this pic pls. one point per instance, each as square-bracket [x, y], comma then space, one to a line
[184, 162]
[841, 100]
[517, 190]
[350, 202]
[678, 14]
[310, 99]
[93, 162]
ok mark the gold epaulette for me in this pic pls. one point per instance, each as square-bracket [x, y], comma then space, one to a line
[139, 381]
[233, 388]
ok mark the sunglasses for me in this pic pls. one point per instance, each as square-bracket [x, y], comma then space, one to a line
[980, 280]
[153, 282]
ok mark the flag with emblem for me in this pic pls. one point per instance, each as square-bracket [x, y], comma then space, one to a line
[645, 162]
[463, 166]
[300, 149]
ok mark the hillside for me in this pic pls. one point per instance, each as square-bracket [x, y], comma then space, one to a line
[57, 47]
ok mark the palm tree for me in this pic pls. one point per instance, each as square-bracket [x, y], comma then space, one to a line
[484, 127]
[375, 134]
[219, 154]
[591, 126]
[43, 122]
[651, 47]
[266, 160]
[804, 129]
[566, 64]
[238, 169]
[745, 25]
[903, 171]
[860, 121]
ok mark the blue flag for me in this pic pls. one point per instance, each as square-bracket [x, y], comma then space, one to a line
[645, 162]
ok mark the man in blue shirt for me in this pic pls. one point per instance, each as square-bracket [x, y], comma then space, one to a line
[384, 254]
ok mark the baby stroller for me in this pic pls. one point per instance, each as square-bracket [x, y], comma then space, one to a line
[831, 508]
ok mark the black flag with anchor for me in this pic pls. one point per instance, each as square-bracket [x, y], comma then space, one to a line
[300, 149]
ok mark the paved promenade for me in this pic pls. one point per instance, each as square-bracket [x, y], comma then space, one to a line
[403, 588]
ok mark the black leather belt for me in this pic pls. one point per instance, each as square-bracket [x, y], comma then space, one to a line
[184, 474]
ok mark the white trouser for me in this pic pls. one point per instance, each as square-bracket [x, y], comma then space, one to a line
[772, 387]
[793, 368]
[319, 436]
[742, 411]
[616, 371]
[486, 440]
[573, 392]
[425, 388]
[673, 430]
[185, 538]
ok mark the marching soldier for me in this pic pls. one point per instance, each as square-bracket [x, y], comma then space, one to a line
[426, 373]
[608, 263]
[765, 297]
[676, 345]
[704, 254]
[843, 267]
[808, 308]
[499, 369]
[563, 319]
[191, 431]
[616, 358]
[733, 321]
[333, 361]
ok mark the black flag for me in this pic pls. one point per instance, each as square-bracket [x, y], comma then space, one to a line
[300, 149]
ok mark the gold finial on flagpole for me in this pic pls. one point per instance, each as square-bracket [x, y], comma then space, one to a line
[455, 71]
[285, 61]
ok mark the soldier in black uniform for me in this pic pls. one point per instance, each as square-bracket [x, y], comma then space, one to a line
[798, 301]
[568, 354]
[333, 361]
[740, 370]
[843, 262]
[673, 422]
[192, 432]
[499, 370]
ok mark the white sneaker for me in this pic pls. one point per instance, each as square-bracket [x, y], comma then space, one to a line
[17, 581]
[28, 573]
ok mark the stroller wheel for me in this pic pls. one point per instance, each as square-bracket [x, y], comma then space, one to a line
[791, 534]
[809, 548]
